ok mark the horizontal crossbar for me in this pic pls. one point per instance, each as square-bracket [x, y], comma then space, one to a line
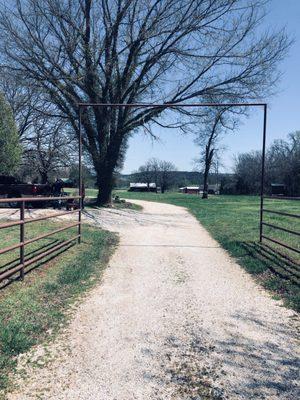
[31, 199]
[281, 213]
[21, 244]
[28, 221]
[9, 224]
[50, 233]
[171, 105]
[281, 198]
[53, 249]
[281, 229]
[281, 244]
[17, 268]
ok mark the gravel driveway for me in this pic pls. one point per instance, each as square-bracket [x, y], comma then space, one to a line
[174, 318]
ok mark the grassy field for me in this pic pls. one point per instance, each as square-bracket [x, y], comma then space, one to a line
[31, 309]
[234, 222]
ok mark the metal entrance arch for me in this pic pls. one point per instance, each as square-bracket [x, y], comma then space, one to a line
[263, 106]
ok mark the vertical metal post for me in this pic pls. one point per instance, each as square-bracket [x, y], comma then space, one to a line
[80, 175]
[22, 238]
[262, 185]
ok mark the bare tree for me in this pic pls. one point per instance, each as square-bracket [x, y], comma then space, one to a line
[282, 166]
[165, 175]
[50, 149]
[248, 172]
[149, 172]
[44, 134]
[213, 126]
[23, 98]
[158, 172]
[126, 51]
[10, 151]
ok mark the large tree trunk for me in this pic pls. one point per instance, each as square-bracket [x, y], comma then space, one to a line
[105, 172]
[105, 185]
[208, 160]
[44, 177]
[205, 182]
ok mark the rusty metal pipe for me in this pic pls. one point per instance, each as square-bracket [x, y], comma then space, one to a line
[18, 245]
[281, 198]
[9, 224]
[10, 272]
[262, 183]
[10, 248]
[282, 213]
[19, 267]
[50, 234]
[22, 239]
[31, 199]
[52, 250]
[80, 176]
[281, 229]
[28, 221]
[171, 105]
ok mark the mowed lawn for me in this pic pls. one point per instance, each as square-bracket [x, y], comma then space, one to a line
[32, 309]
[234, 222]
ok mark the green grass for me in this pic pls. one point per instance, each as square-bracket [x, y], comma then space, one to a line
[234, 222]
[30, 309]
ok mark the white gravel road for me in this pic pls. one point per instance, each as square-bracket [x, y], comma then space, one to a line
[174, 318]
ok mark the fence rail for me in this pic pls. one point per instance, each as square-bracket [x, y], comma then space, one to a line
[276, 227]
[22, 222]
[281, 198]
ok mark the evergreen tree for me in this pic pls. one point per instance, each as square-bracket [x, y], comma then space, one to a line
[10, 149]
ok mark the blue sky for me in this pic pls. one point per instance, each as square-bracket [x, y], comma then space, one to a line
[283, 117]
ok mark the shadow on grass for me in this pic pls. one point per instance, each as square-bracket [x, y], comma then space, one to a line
[29, 256]
[276, 262]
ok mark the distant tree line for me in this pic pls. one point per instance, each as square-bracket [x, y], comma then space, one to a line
[155, 171]
[282, 167]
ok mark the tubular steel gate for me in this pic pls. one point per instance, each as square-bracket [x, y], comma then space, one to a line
[23, 261]
[276, 227]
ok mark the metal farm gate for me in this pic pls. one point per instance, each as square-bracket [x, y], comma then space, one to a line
[289, 217]
[23, 260]
[18, 267]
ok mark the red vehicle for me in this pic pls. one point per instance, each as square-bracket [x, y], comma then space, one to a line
[11, 187]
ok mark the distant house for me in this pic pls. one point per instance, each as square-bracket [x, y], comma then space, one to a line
[278, 189]
[142, 187]
[189, 189]
[212, 189]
